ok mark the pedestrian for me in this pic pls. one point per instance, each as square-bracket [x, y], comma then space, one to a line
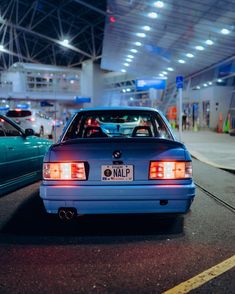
[184, 121]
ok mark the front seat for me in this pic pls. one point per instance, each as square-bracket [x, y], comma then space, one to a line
[136, 132]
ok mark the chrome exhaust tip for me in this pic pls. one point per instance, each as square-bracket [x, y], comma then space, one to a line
[66, 213]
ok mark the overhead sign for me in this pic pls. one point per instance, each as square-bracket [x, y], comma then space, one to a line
[179, 82]
[79, 99]
[148, 84]
[46, 104]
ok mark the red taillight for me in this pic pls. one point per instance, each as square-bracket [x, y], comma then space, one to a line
[64, 171]
[31, 119]
[170, 170]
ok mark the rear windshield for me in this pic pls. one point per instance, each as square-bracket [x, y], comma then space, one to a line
[18, 113]
[122, 124]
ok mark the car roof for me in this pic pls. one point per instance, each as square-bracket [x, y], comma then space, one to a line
[136, 108]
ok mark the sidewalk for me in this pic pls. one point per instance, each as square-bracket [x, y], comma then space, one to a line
[210, 147]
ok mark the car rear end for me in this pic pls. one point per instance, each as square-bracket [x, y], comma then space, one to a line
[22, 117]
[141, 174]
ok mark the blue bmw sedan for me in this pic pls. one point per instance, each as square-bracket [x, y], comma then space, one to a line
[117, 160]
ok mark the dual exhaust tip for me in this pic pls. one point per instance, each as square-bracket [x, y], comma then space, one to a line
[67, 213]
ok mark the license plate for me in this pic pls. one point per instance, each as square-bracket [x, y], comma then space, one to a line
[117, 173]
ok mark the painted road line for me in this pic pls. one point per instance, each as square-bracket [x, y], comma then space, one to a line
[203, 277]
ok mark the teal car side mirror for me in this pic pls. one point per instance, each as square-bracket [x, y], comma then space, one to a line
[28, 132]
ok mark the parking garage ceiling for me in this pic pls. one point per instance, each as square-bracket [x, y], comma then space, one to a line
[148, 38]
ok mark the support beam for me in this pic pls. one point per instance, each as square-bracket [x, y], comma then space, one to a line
[91, 7]
[44, 37]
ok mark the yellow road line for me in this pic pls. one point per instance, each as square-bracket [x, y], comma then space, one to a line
[203, 277]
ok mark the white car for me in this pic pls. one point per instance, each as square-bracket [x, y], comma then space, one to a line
[36, 120]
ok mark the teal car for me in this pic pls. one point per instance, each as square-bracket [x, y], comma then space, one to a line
[21, 155]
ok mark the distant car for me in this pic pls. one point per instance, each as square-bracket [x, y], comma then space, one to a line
[21, 155]
[36, 120]
[117, 160]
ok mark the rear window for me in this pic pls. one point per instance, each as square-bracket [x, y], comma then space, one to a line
[18, 113]
[116, 123]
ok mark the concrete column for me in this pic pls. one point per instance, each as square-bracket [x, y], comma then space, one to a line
[92, 84]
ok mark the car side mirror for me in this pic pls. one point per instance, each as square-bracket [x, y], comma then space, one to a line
[28, 132]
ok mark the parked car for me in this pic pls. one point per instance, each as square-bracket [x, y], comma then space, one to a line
[36, 120]
[98, 167]
[21, 155]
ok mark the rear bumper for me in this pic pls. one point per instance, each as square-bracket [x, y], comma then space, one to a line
[119, 199]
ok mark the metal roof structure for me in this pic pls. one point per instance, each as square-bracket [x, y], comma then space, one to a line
[57, 32]
[144, 38]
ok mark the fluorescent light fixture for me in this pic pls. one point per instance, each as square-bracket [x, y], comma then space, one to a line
[181, 61]
[190, 55]
[198, 87]
[131, 98]
[158, 4]
[65, 42]
[1, 47]
[205, 85]
[123, 70]
[72, 82]
[134, 50]
[138, 44]
[161, 75]
[225, 31]
[128, 60]
[200, 48]
[128, 89]
[165, 72]
[219, 80]
[152, 15]
[209, 42]
[130, 56]
[146, 28]
[141, 35]
[210, 83]
[170, 69]
[126, 64]
[124, 90]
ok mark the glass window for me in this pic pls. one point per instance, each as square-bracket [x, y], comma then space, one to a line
[8, 130]
[122, 124]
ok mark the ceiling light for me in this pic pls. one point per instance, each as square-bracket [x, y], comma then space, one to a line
[225, 31]
[161, 75]
[198, 87]
[128, 89]
[131, 99]
[134, 50]
[1, 47]
[138, 43]
[205, 85]
[72, 82]
[128, 60]
[152, 15]
[210, 83]
[124, 90]
[170, 69]
[209, 42]
[65, 42]
[219, 80]
[146, 28]
[130, 56]
[200, 48]
[190, 55]
[165, 72]
[158, 4]
[141, 35]
[181, 61]
[123, 70]
[126, 64]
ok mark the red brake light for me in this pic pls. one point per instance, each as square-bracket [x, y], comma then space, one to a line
[170, 170]
[64, 171]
